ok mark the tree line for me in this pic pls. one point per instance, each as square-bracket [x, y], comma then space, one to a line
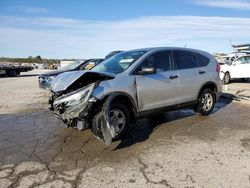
[38, 59]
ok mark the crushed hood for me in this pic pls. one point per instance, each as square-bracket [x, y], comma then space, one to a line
[66, 80]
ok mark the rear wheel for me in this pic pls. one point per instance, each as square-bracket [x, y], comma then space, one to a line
[206, 102]
[226, 78]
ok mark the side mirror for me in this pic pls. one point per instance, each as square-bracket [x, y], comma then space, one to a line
[147, 70]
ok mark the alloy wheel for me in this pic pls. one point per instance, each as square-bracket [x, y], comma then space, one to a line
[117, 120]
[207, 101]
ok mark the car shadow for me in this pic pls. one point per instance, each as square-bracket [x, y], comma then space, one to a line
[143, 128]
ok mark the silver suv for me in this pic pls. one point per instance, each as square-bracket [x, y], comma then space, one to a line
[135, 84]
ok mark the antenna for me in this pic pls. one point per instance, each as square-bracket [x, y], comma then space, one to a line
[230, 41]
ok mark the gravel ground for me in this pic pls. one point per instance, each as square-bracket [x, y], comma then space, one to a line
[177, 149]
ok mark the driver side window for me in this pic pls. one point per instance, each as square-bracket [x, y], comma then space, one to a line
[161, 61]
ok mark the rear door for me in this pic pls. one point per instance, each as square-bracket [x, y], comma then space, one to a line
[160, 89]
[191, 76]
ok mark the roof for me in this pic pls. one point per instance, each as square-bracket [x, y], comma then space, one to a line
[171, 48]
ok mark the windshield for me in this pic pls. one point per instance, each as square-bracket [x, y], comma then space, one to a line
[119, 62]
[71, 65]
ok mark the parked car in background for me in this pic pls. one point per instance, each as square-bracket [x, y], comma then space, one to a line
[112, 53]
[46, 79]
[134, 84]
[229, 58]
[239, 68]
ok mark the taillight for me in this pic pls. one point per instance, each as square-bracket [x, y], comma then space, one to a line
[217, 67]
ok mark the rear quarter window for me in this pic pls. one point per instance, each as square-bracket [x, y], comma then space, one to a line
[184, 59]
[202, 60]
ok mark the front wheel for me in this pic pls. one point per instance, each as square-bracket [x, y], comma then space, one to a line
[119, 120]
[206, 102]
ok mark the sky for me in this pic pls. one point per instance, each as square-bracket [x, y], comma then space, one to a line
[93, 28]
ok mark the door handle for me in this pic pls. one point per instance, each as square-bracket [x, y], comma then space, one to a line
[173, 77]
[202, 72]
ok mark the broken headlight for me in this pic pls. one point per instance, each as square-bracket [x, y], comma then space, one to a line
[76, 97]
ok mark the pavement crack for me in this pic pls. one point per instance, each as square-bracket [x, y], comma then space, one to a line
[34, 149]
[214, 154]
[78, 178]
[68, 136]
[143, 168]
[53, 172]
[16, 182]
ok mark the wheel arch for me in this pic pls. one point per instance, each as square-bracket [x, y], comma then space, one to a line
[124, 98]
[210, 85]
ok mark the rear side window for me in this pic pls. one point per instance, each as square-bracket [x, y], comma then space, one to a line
[202, 60]
[160, 60]
[184, 59]
[248, 59]
[243, 60]
[240, 60]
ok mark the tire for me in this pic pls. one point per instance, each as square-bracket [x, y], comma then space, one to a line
[206, 102]
[115, 107]
[244, 79]
[123, 109]
[227, 78]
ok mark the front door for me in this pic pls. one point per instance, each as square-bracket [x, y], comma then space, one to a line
[159, 89]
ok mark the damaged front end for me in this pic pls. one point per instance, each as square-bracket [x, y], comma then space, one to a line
[69, 106]
[72, 101]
